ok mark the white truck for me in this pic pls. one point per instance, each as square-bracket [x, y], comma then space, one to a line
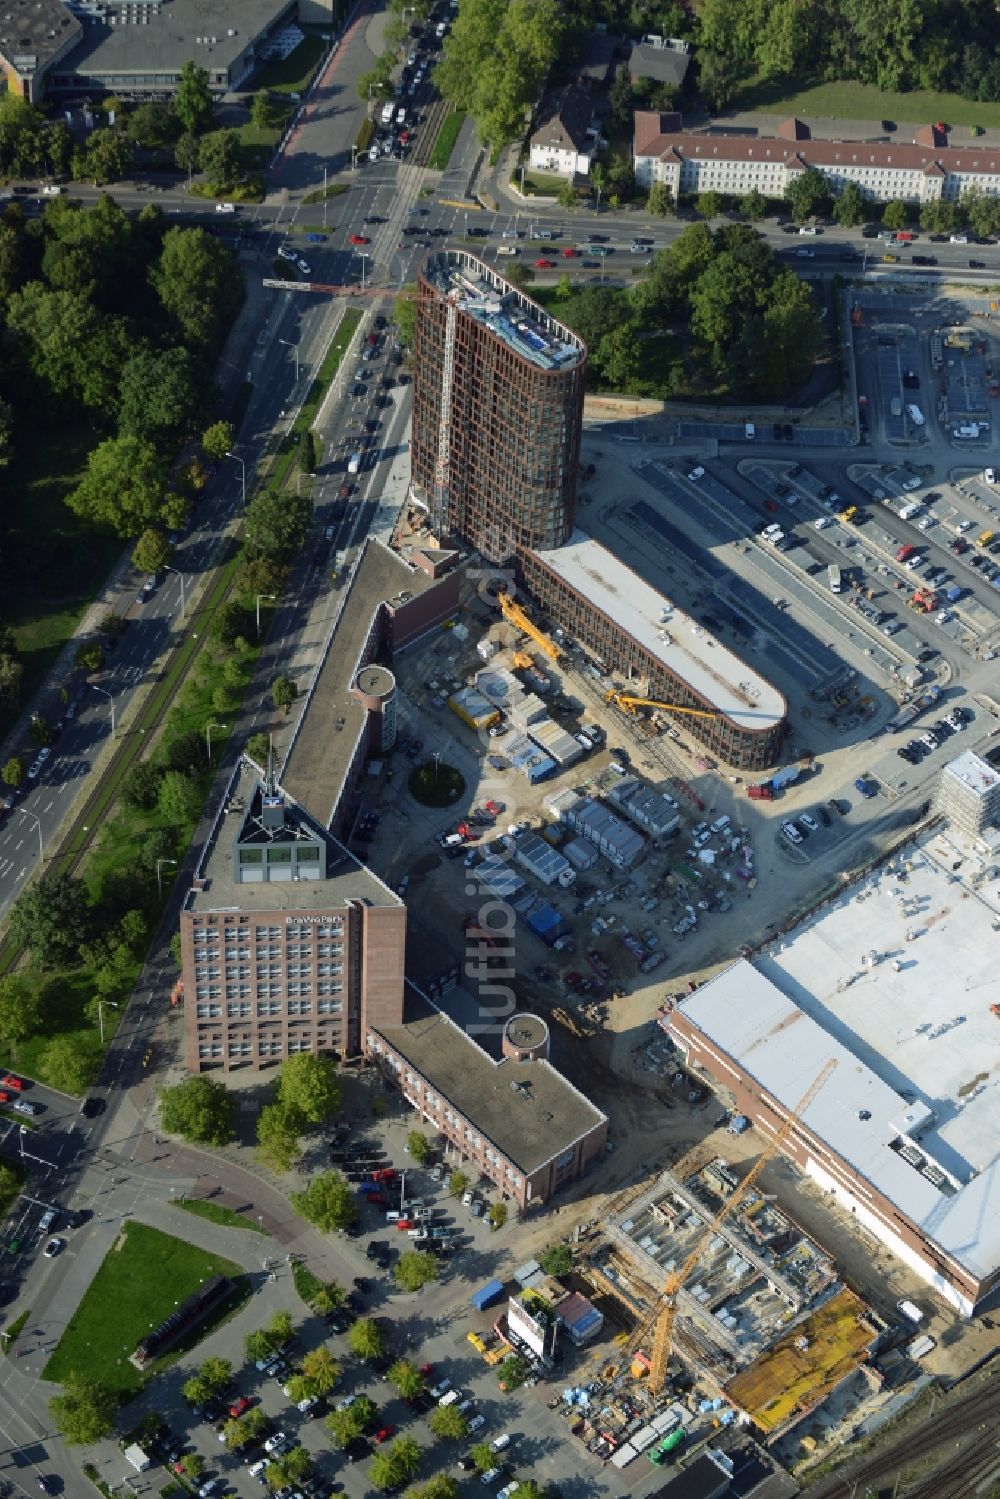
[388, 110]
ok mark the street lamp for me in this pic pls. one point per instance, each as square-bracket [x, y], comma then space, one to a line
[169, 569]
[243, 472]
[100, 1013]
[272, 597]
[295, 349]
[105, 693]
[159, 877]
[38, 823]
[208, 736]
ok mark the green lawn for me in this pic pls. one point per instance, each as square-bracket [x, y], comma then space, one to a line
[63, 993]
[139, 1284]
[859, 101]
[53, 563]
[295, 73]
[445, 143]
[216, 1213]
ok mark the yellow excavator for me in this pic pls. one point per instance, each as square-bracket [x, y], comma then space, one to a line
[660, 1321]
[629, 704]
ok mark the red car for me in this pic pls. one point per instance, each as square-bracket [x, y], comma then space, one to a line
[4, 1097]
[426, 1369]
[383, 1435]
[495, 807]
[384, 1174]
[402, 1224]
[10, 1081]
[544, 265]
[360, 239]
[570, 254]
[240, 1407]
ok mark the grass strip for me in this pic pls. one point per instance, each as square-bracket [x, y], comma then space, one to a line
[446, 138]
[13, 1332]
[216, 1213]
[293, 74]
[307, 1284]
[317, 390]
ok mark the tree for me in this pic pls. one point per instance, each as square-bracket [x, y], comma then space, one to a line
[327, 1298]
[198, 284]
[219, 158]
[284, 692]
[278, 1133]
[193, 1464]
[52, 918]
[512, 1373]
[152, 126]
[982, 213]
[557, 1259]
[187, 152]
[936, 218]
[141, 786]
[709, 205]
[894, 214]
[395, 1465]
[617, 357]
[792, 337]
[106, 156]
[20, 1011]
[260, 110]
[483, 1457]
[441, 1486]
[458, 1183]
[217, 440]
[89, 657]
[196, 1390]
[217, 1373]
[14, 773]
[232, 622]
[300, 1388]
[179, 799]
[360, 1417]
[366, 1339]
[849, 207]
[718, 77]
[495, 60]
[407, 1378]
[321, 1369]
[162, 396]
[237, 1434]
[257, 1346]
[660, 200]
[123, 486]
[753, 206]
[415, 1269]
[497, 1214]
[280, 1329]
[65, 1067]
[308, 1086]
[327, 1203]
[567, 196]
[193, 99]
[275, 525]
[448, 1423]
[418, 1146]
[307, 452]
[152, 551]
[85, 1411]
[808, 193]
[200, 1109]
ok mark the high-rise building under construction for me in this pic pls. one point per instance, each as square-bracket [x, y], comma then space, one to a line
[497, 410]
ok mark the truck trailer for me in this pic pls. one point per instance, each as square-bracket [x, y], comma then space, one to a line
[487, 1295]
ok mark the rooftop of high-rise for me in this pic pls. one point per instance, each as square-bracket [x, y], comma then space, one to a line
[482, 292]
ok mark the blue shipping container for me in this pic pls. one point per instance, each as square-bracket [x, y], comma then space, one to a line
[486, 1295]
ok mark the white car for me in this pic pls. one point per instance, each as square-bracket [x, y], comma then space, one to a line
[822, 523]
[991, 478]
[809, 822]
[791, 832]
[499, 1443]
[285, 252]
[943, 616]
[490, 1476]
[225, 207]
[967, 525]
[697, 473]
[925, 522]
[304, 266]
[277, 1439]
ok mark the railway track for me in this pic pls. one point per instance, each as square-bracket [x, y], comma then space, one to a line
[427, 139]
[940, 1435]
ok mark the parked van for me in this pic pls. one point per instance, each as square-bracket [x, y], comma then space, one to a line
[721, 824]
[354, 463]
[387, 113]
[916, 415]
[910, 510]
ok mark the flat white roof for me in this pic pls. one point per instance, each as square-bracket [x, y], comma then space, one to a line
[684, 646]
[976, 774]
[895, 979]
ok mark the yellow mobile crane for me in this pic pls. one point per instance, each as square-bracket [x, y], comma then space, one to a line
[629, 704]
[661, 1319]
[517, 616]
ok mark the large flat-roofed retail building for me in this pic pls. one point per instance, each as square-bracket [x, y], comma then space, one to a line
[516, 1118]
[663, 653]
[497, 409]
[894, 981]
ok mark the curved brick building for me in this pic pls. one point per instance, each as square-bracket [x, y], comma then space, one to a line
[497, 410]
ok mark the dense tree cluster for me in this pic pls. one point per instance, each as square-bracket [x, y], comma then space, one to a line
[496, 57]
[895, 45]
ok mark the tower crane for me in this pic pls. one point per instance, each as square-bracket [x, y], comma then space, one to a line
[629, 704]
[661, 1318]
[517, 616]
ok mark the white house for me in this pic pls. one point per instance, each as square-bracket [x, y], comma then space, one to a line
[563, 139]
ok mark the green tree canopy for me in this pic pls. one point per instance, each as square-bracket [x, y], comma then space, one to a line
[808, 193]
[20, 1011]
[219, 158]
[162, 395]
[849, 208]
[936, 218]
[366, 1339]
[345, 1425]
[66, 1067]
[395, 1465]
[309, 1087]
[276, 525]
[321, 1369]
[753, 206]
[283, 693]
[418, 1145]
[895, 215]
[198, 283]
[415, 1269]
[557, 1259]
[152, 551]
[217, 440]
[85, 1411]
[660, 200]
[447, 1422]
[407, 1378]
[193, 99]
[123, 487]
[327, 1203]
[200, 1109]
[495, 59]
[278, 1143]
[179, 799]
[52, 918]
[14, 773]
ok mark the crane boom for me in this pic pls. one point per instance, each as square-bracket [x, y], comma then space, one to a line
[517, 616]
[661, 1318]
[630, 704]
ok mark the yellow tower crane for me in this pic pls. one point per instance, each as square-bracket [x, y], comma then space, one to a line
[661, 1319]
[629, 704]
[517, 616]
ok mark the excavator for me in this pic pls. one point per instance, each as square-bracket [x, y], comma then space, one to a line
[631, 705]
[660, 1321]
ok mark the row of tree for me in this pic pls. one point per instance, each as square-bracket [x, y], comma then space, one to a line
[908, 44]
